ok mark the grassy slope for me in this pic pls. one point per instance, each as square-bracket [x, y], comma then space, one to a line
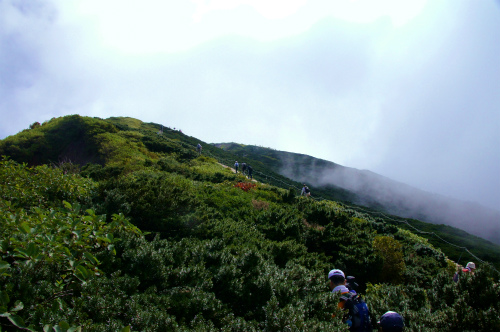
[226, 257]
[459, 239]
[136, 141]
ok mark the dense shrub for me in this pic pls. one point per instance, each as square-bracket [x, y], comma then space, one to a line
[70, 138]
[218, 258]
[154, 201]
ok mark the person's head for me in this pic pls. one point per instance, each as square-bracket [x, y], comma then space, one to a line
[391, 322]
[336, 277]
[471, 266]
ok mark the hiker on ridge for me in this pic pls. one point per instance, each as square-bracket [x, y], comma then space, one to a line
[199, 148]
[250, 170]
[305, 191]
[357, 315]
[236, 165]
[469, 268]
[243, 167]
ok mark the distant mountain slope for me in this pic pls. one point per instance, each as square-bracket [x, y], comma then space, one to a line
[372, 190]
[124, 145]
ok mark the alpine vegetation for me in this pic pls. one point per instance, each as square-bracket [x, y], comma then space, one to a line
[120, 225]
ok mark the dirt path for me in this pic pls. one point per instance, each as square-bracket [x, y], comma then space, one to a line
[234, 171]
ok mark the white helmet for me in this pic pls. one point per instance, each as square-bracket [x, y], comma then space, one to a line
[471, 265]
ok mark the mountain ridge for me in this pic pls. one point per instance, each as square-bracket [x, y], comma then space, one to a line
[152, 236]
[377, 191]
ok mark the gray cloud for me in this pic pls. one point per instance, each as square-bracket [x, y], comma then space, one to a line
[418, 104]
[442, 123]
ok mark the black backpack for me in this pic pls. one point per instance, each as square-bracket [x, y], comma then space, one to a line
[357, 313]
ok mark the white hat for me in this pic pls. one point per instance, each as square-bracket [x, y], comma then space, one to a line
[471, 265]
[335, 272]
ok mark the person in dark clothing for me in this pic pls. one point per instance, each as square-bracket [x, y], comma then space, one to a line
[250, 170]
[305, 191]
[236, 165]
[356, 313]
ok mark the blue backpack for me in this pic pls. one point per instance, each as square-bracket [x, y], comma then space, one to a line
[358, 315]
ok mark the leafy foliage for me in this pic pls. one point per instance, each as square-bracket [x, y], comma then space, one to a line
[389, 250]
[70, 138]
[158, 239]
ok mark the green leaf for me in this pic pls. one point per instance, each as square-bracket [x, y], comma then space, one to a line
[75, 222]
[82, 273]
[67, 205]
[64, 325]
[91, 258]
[18, 306]
[67, 252]
[75, 329]
[32, 250]
[78, 234]
[17, 321]
[110, 238]
[126, 329]
[47, 328]
[4, 298]
[23, 253]
[90, 212]
[24, 228]
[5, 245]
[111, 248]
[104, 239]
[30, 328]
[4, 267]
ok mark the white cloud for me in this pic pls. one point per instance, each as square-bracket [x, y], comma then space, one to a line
[361, 83]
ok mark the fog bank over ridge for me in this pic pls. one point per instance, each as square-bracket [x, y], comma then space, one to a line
[376, 191]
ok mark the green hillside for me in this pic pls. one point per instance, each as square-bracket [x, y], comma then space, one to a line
[111, 225]
[455, 243]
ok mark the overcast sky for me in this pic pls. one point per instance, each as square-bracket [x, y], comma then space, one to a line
[406, 89]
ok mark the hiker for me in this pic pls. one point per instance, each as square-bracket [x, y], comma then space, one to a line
[236, 165]
[305, 191]
[243, 167]
[337, 281]
[250, 170]
[351, 284]
[357, 315]
[199, 148]
[456, 276]
[391, 322]
[469, 268]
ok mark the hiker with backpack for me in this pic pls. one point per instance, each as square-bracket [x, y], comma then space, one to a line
[236, 165]
[357, 315]
[243, 167]
[391, 322]
[469, 268]
[198, 149]
[305, 191]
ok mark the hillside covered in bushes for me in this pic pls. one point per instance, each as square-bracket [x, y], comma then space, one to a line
[114, 225]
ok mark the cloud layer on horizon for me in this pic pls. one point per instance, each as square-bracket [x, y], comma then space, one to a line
[417, 103]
